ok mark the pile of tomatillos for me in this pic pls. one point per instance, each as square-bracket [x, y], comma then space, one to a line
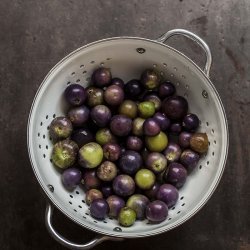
[130, 145]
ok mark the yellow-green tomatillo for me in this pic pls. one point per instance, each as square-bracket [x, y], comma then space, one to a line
[127, 217]
[156, 143]
[90, 155]
[146, 109]
[64, 153]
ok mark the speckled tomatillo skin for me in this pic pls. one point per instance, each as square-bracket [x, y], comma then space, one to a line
[60, 128]
[127, 217]
[107, 171]
[64, 153]
[111, 151]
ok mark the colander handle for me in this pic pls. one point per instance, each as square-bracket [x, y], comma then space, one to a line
[71, 245]
[193, 37]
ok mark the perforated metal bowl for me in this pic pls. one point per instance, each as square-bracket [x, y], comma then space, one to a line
[127, 57]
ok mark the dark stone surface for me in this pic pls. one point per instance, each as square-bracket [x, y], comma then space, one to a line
[35, 35]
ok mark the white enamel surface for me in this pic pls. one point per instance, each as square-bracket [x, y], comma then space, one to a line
[120, 55]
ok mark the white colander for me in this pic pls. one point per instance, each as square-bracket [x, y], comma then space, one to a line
[128, 57]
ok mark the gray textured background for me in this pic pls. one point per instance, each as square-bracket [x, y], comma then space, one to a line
[35, 35]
